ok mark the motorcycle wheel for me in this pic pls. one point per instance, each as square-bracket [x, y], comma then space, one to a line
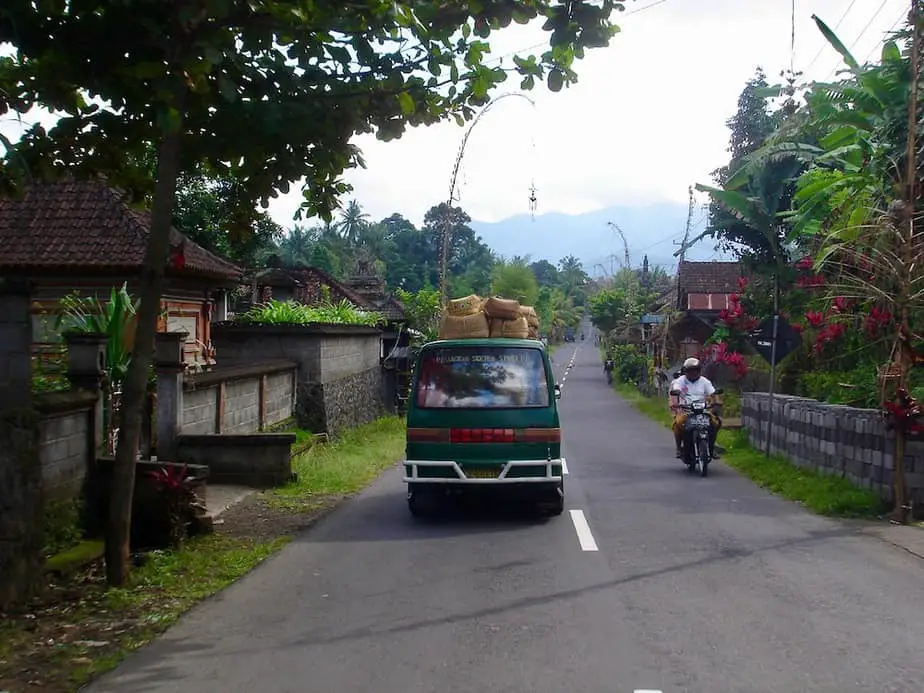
[703, 457]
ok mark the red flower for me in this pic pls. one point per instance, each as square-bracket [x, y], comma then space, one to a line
[798, 327]
[841, 305]
[814, 318]
[805, 264]
[742, 283]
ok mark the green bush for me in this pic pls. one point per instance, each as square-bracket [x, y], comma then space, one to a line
[631, 366]
[292, 313]
[855, 388]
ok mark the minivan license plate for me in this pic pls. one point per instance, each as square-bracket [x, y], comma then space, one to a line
[482, 473]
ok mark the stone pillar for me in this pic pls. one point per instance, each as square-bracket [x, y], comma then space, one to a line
[86, 370]
[20, 471]
[168, 362]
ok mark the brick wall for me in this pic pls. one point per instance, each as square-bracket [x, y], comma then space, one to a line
[835, 439]
[66, 443]
[238, 399]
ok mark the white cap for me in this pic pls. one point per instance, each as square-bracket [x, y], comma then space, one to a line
[691, 363]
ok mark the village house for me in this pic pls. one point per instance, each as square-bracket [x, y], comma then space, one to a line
[71, 236]
[703, 291]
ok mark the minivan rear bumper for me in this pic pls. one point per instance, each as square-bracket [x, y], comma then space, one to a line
[459, 477]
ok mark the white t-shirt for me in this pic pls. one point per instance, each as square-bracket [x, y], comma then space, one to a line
[693, 391]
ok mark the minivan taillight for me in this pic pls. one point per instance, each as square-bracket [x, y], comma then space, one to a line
[428, 435]
[538, 435]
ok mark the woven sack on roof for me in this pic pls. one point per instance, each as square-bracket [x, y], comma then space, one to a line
[467, 305]
[532, 319]
[464, 326]
[510, 329]
[503, 308]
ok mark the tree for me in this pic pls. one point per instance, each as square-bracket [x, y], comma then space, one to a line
[743, 214]
[572, 277]
[516, 281]
[546, 273]
[353, 221]
[204, 211]
[422, 309]
[267, 92]
[296, 246]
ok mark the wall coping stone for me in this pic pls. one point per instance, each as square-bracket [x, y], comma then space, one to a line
[296, 330]
[64, 402]
[238, 439]
[192, 381]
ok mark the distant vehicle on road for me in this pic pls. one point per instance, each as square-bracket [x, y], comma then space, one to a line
[483, 417]
[569, 335]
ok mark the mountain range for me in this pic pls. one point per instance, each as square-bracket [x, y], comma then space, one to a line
[654, 230]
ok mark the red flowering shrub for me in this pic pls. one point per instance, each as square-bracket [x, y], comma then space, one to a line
[815, 318]
[721, 354]
[903, 413]
[877, 320]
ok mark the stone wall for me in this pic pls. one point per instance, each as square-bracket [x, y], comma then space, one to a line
[20, 473]
[835, 439]
[339, 371]
[66, 441]
[238, 399]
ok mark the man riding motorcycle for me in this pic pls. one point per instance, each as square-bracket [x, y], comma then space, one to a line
[694, 387]
[608, 367]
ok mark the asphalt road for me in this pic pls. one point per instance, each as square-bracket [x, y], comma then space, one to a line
[651, 580]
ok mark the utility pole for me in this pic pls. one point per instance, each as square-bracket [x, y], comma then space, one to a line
[686, 239]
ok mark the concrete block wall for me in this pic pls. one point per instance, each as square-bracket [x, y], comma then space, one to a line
[242, 405]
[834, 439]
[343, 356]
[66, 441]
[64, 451]
[238, 399]
[339, 371]
[200, 410]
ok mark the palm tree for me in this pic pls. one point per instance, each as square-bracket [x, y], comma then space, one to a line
[352, 222]
[295, 247]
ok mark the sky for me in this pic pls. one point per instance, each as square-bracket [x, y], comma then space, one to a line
[645, 121]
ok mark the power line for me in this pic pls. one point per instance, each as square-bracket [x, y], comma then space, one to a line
[902, 15]
[839, 21]
[868, 24]
[865, 29]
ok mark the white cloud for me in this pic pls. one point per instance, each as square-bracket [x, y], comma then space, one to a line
[646, 120]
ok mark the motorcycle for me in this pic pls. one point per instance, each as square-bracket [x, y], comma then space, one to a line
[608, 369]
[697, 453]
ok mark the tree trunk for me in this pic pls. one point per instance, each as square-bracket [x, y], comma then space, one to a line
[134, 389]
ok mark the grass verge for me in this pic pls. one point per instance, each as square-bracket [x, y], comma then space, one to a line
[77, 628]
[343, 466]
[821, 493]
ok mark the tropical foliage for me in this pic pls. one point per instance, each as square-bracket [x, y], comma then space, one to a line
[292, 313]
[828, 199]
[112, 318]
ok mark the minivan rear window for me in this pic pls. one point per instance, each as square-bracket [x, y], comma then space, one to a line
[482, 378]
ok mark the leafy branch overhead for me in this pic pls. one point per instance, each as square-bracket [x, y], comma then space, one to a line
[269, 91]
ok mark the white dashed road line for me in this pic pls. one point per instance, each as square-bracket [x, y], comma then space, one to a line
[585, 536]
[647, 690]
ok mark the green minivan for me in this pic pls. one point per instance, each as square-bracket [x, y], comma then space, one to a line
[483, 416]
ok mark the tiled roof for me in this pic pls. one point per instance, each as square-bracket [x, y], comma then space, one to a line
[86, 225]
[708, 277]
